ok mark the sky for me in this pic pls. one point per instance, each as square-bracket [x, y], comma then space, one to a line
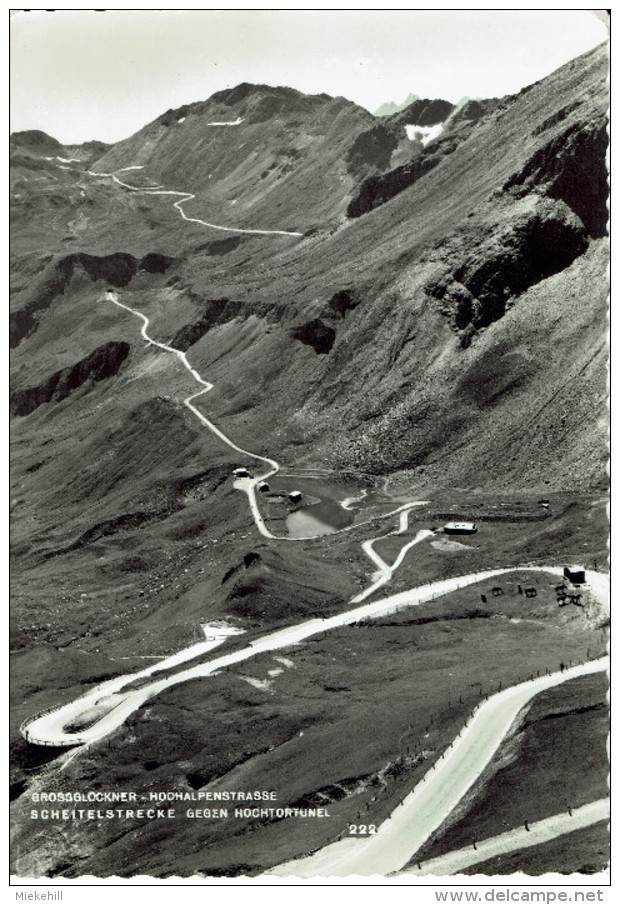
[82, 74]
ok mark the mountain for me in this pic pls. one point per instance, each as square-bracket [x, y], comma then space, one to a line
[392, 320]
[434, 123]
[261, 155]
[34, 143]
[424, 112]
[390, 107]
[32, 146]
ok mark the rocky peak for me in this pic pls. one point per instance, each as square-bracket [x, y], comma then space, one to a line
[390, 107]
[424, 112]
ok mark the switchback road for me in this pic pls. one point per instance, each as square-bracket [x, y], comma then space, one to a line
[54, 727]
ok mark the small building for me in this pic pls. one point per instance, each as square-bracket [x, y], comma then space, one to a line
[263, 486]
[576, 575]
[241, 473]
[295, 496]
[544, 503]
[460, 528]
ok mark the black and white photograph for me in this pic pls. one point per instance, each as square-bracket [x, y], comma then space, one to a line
[309, 423]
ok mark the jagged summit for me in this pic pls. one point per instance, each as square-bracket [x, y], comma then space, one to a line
[391, 107]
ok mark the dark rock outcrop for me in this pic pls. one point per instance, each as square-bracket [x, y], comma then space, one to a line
[379, 188]
[572, 168]
[118, 269]
[155, 263]
[102, 363]
[250, 559]
[218, 311]
[316, 334]
[532, 248]
[343, 301]
[24, 321]
[372, 149]
[558, 117]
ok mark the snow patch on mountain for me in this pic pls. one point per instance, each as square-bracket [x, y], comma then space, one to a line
[424, 133]
[236, 122]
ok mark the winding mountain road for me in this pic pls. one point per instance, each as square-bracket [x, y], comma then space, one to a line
[247, 485]
[184, 197]
[50, 728]
[385, 571]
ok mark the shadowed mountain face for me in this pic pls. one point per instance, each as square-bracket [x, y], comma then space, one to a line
[116, 269]
[102, 363]
[424, 112]
[427, 311]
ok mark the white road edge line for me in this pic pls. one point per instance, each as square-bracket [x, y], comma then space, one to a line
[514, 840]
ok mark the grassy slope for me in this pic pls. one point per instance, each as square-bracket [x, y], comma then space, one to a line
[396, 372]
[582, 852]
